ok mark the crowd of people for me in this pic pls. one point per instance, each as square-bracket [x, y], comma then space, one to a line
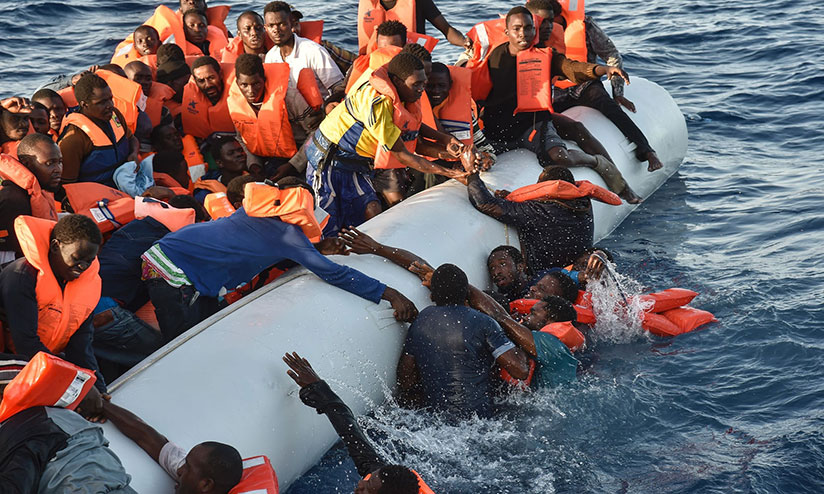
[141, 196]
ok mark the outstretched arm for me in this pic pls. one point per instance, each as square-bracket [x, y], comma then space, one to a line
[135, 429]
[361, 243]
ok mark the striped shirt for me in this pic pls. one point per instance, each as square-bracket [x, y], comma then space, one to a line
[157, 265]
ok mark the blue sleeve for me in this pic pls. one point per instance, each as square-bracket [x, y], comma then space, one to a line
[496, 339]
[300, 250]
[200, 195]
[79, 352]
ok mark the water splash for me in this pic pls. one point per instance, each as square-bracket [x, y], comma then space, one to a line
[617, 308]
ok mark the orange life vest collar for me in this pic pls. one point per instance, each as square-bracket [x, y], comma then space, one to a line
[60, 312]
[42, 202]
[95, 133]
[455, 112]
[561, 189]
[406, 116]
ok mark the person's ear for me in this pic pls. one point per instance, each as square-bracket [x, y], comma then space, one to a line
[54, 245]
[206, 485]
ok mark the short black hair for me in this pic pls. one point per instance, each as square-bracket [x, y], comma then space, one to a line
[146, 29]
[519, 10]
[511, 251]
[114, 68]
[417, 50]
[559, 309]
[75, 227]
[45, 93]
[169, 51]
[556, 173]
[31, 141]
[205, 60]
[183, 201]
[224, 465]
[569, 290]
[248, 64]
[398, 479]
[167, 162]
[449, 285]
[199, 13]
[392, 28]
[277, 6]
[248, 13]
[39, 106]
[550, 5]
[441, 68]
[236, 189]
[217, 145]
[403, 65]
[85, 87]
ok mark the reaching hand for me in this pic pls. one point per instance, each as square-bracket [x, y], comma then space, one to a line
[422, 271]
[595, 266]
[359, 242]
[484, 160]
[629, 105]
[405, 310]
[283, 170]
[616, 72]
[332, 246]
[300, 370]
[469, 160]
[91, 407]
[454, 147]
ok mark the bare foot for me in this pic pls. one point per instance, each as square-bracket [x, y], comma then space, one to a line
[630, 196]
[654, 162]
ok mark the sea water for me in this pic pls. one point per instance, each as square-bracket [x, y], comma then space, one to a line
[735, 407]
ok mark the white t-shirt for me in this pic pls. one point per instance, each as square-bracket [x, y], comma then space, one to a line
[306, 54]
[171, 458]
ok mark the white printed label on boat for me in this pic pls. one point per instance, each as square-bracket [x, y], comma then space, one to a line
[73, 391]
[98, 215]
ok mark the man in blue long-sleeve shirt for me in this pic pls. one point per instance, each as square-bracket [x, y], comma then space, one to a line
[207, 259]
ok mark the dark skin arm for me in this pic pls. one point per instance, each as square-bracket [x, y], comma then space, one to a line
[135, 429]
[410, 393]
[450, 33]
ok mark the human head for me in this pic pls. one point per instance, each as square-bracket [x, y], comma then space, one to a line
[54, 104]
[41, 155]
[209, 467]
[14, 125]
[554, 283]
[174, 73]
[94, 97]
[187, 5]
[548, 310]
[169, 51]
[520, 29]
[208, 77]
[506, 267]
[184, 201]
[277, 18]
[166, 138]
[195, 26]
[172, 163]
[39, 117]
[556, 173]
[449, 285]
[390, 479]
[251, 31]
[140, 73]
[73, 246]
[543, 9]
[297, 15]
[236, 190]
[146, 40]
[407, 75]
[390, 33]
[251, 78]
[113, 68]
[229, 154]
[420, 52]
[438, 84]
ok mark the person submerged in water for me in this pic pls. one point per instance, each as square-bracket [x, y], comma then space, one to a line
[507, 270]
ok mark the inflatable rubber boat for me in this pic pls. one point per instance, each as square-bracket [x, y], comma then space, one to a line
[224, 379]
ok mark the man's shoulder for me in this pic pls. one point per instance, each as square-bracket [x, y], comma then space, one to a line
[20, 273]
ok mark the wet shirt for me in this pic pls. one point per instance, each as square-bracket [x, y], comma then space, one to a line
[556, 365]
[455, 348]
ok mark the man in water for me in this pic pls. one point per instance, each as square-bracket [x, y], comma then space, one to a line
[553, 283]
[507, 270]
[378, 476]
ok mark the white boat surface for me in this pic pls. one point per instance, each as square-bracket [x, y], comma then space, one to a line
[224, 380]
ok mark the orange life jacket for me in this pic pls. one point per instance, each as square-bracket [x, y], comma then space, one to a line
[200, 118]
[168, 23]
[485, 36]
[194, 160]
[575, 34]
[267, 133]
[46, 381]
[427, 42]
[235, 48]
[217, 42]
[455, 112]
[561, 189]
[533, 73]
[294, 205]
[308, 88]
[258, 477]
[106, 156]
[109, 208]
[218, 205]
[422, 487]
[675, 321]
[41, 201]
[171, 217]
[215, 16]
[406, 116]
[158, 95]
[59, 312]
[210, 185]
[311, 30]
[127, 95]
[556, 40]
[366, 63]
[583, 307]
[567, 333]
[671, 298]
[371, 14]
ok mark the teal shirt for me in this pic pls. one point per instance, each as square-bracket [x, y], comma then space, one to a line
[556, 365]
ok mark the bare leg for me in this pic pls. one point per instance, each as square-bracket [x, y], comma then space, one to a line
[574, 130]
[605, 168]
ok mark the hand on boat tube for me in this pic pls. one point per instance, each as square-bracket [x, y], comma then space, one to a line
[358, 242]
[91, 407]
[405, 310]
[300, 370]
[423, 271]
[611, 72]
[332, 246]
[454, 147]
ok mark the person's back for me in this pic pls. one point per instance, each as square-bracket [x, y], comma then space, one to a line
[454, 348]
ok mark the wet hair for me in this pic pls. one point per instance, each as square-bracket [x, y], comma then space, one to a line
[147, 30]
[277, 6]
[392, 28]
[31, 141]
[235, 191]
[397, 479]
[85, 87]
[248, 64]
[248, 13]
[205, 60]
[403, 65]
[45, 93]
[183, 201]
[559, 309]
[449, 285]
[517, 11]
[440, 68]
[216, 147]
[511, 251]
[75, 227]
[418, 51]
[550, 5]
[569, 290]
[223, 464]
[169, 51]
[113, 67]
[167, 162]
[556, 173]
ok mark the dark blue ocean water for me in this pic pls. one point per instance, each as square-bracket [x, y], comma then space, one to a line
[737, 407]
